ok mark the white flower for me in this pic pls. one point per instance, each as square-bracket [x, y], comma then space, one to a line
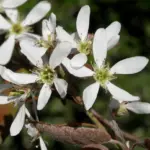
[122, 107]
[34, 133]
[17, 29]
[82, 42]
[7, 4]
[18, 97]
[46, 73]
[139, 107]
[48, 39]
[103, 74]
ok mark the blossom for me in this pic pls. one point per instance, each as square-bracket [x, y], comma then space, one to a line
[18, 97]
[82, 42]
[7, 4]
[17, 28]
[34, 133]
[48, 39]
[121, 107]
[46, 73]
[102, 74]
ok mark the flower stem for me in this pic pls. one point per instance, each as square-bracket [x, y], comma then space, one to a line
[95, 120]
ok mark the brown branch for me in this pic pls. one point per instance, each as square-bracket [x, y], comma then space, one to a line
[107, 123]
[94, 147]
[78, 136]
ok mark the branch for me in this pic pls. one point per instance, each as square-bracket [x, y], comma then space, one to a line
[78, 136]
[107, 123]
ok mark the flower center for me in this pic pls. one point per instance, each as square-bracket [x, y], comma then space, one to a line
[17, 28]
[85, 47]
[46, 75]
[103, 75]
[49, 43]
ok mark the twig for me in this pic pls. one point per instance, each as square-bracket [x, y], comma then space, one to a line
[95, 120]
[107, 123]
[78, 136]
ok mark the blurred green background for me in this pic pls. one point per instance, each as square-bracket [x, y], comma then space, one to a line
[134, 16]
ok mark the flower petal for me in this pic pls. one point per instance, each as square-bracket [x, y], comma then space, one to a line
[18, 78]
[52, 20]
[46, 29]
[42, 144]
[44, 96]
[130, 65]
[120, 94]
[12, 3]
[49, 26]
[37, 13]
[4, 100]
[139, 107]
[78, 60]
[61, 51]
[100, 47]
[90, 95]
[6, 50]
[112, 30]
[18, 122]
[63, 36]
[113, 42]
[82, 23]
[32, 52]
[4, 24]
[81, 72]
[61, 86]
[12, 14]
[31, 130]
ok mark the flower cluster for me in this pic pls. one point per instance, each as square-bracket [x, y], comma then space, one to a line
[80, 54]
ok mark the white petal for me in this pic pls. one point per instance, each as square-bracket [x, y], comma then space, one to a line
[6, 50]
[52, 20]
[18, 78]
[37, 13]
[61, 51]
[18, 122]
[113, 42]
[4, 100]
[28, 36]
[63, 36]
[78, 60]
[139, 107]
[12, 3]
[32, 52]
[42, 144]
[12, 14]
[28, 114]
[113, 29]
[100, 46]
[4, 24]
[82, 23]
[44, 96]
[130, 65]
[90, 95]
[32, 131]
[120, 94]
[81, 72]
[61, 86]
[48, 26]
[46, 29]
